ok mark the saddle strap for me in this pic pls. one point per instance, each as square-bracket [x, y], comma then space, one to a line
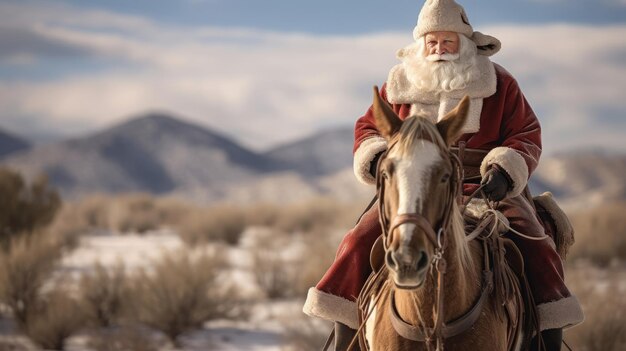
[450, 329]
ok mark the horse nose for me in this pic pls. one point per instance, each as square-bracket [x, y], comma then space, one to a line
[402, 260]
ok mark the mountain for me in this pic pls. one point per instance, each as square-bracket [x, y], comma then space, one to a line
[583, 178]
[154, 153]
[323, 153]
[160, 154]
[10, 144]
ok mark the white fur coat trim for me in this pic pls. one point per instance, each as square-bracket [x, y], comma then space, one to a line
[436, 112]
[330, 307]
[400, 90]
[563, 313]
[512, 163]
[363, 158]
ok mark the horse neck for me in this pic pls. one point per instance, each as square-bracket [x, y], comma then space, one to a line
[460, 288]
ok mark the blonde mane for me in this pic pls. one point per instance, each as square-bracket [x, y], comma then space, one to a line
[417, 129]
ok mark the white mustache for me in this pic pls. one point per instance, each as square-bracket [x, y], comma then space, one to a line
[443, 57]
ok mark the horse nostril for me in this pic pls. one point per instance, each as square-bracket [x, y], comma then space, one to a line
[422, 261]
[390, 260]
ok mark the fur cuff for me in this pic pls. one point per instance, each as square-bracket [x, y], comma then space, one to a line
[330, 307]
[563, 313]
[363, 158]
[512, 163]
[564, 236]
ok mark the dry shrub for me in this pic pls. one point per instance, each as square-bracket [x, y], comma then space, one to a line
[122, 213]
[23, 207]
[272, 271]
[56, 317]
[287, 266]
[92, 211]
[24, 269]
[134, 213]
[47, 319]
[213, 224]
[317, 215]
[123, 338]
[312, 214]
[13, 345]
[70, 224]
[274, 276]
[103, 294]
[604, 328]
[171, 211]
[600, 234]
[313, 264]
[263, 215]
[181, 293]
[303, 333]
[75, 219]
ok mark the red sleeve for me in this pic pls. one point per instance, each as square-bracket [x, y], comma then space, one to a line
[520, 128]
[365, 126]
[518, 147]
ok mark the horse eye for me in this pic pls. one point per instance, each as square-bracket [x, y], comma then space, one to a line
[445, 177]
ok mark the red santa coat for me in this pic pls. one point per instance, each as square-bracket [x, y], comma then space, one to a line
[508, 128]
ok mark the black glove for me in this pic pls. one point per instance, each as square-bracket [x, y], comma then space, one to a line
[374, 164]
[496, 183]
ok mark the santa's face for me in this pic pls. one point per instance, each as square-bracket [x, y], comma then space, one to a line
[441, 43]
[441, 62]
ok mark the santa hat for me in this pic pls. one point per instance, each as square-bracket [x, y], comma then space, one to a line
[448, 16]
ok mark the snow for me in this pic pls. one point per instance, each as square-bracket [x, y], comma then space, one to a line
[108, 248]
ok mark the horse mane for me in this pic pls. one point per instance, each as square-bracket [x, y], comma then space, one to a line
[462, 246]
[418, 129]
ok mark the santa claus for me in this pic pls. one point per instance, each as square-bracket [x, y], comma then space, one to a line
[448, 61]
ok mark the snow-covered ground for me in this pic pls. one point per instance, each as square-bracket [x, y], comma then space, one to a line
[263, 330]
[270, 323]
[133, 250]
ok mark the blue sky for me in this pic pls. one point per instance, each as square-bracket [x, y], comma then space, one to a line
[266, 72]
[354, 16]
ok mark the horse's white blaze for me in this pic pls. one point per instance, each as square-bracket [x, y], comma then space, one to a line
[370, 324]
[411, 176]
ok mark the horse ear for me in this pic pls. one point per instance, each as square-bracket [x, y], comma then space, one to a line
[451, 125]
[387, 121]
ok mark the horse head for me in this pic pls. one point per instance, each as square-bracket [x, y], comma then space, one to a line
[418, 183]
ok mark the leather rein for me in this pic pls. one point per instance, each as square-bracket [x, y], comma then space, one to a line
[440, 330]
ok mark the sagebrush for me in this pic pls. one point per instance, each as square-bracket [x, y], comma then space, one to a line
[180, 292]
[24, 207]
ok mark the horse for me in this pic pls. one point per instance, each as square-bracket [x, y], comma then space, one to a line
[435, 289]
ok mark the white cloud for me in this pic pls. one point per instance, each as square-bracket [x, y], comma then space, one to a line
[267, 87]
[570, 74]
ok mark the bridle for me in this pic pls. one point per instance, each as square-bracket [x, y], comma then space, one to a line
[437, 236]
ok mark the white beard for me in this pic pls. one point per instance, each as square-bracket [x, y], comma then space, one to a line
[442, 73]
